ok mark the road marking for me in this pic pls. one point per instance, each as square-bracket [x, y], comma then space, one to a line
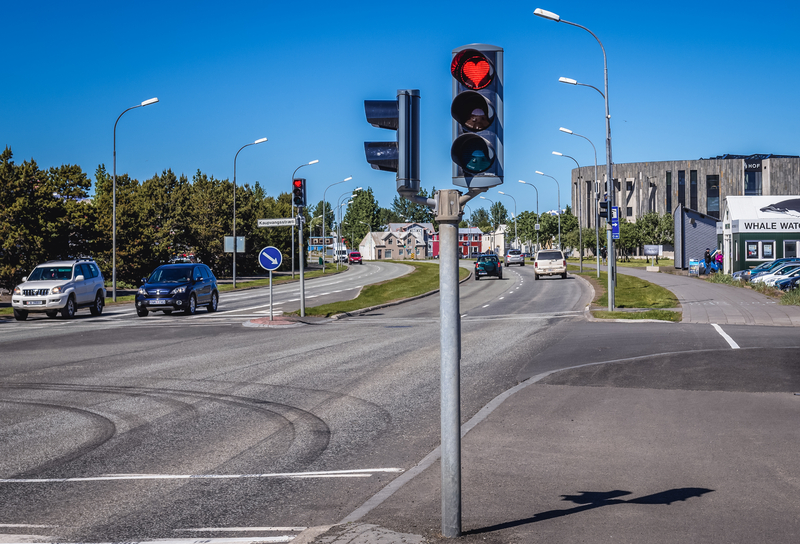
[501, 298]
[355, 473]
[485, 306]
[243, 529]
[727, 338]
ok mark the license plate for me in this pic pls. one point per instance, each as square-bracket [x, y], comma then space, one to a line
[158, 301]
[34, 302]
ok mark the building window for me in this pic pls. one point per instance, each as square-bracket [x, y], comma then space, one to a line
[768, 250]
[752, 183]
[693, 189]
[669, 192]
[682, 187]
[388, 253]
[712, 195]
[752, 251]
[629, 211]
[790, 248]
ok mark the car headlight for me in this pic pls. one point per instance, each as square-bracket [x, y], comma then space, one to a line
[178, 290]
[17, 290]
[142, 291]
[57, 290]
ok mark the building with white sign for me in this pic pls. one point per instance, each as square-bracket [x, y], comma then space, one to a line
[756, 229]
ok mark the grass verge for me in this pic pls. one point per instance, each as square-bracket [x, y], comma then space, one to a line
[791, 298]
[631, 292]
[423, 279]
[633, 263]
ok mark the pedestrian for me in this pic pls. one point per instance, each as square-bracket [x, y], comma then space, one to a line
[707, 259]
[604, 254]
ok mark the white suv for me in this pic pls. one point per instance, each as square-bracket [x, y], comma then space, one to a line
[60, 286]
[549, 262]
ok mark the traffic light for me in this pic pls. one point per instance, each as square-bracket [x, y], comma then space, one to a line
[477, 112]
[603, 209]
[299, 192]
[401, 156]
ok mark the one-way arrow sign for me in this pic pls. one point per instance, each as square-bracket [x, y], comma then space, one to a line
[270, 258]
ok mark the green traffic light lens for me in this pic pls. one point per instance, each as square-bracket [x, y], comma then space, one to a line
[472, 153]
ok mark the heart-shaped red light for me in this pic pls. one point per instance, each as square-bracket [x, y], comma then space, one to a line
[475, 71]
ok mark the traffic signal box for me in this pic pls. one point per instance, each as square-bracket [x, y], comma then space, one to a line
[477, 112]
[603, 210]
[401, 156]
[299, 192]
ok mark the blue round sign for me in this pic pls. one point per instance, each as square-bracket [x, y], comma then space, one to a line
[270, 258]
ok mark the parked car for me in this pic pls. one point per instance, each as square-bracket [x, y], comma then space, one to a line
[60, 286]
[779, 273]
[173, 287]
[788, 284]
[766, 268]
[549, 262]
[488, 265]
[515, 256]
[354, 257]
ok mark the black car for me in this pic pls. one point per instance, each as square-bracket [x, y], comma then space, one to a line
[178, 287]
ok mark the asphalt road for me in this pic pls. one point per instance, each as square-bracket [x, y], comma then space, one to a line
[128, 429]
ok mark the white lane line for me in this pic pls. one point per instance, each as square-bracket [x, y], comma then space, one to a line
[485, 306]
[727, 338]
[244, 529]
[355, 473]
[26, 526]
[501, 298]
[232, 540]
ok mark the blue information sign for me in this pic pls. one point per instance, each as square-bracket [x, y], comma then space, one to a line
[270, 258]
[615, 223]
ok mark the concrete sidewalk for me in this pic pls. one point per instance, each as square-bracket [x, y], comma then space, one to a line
[706, 302]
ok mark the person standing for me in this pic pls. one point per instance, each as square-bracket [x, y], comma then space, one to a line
[707, 258]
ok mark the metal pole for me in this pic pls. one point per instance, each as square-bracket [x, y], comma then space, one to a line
[292, 206]
[235, 245]
[450, 369]
[270, 295]
[302, 282]
[324, 210]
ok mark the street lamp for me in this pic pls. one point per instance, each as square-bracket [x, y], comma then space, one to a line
[559, 205]
[259, 141]
[324, 211]
[339, 205]
[596, 198]
[315, 161]
[609, 173]
[114, 203]
[516, 238]
[537, 211]
[580, 199]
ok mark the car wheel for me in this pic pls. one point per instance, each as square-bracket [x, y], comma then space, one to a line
[142, 312]
[564, 275]
[477, 277]
[500, 275]
[68, 311]
[522, 263]
[20, 315]
[212, 306]
[191, 309]
[97, 306]
[535, 276]
[51, 313]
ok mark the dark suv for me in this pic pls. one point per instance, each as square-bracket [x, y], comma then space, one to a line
[174, 287]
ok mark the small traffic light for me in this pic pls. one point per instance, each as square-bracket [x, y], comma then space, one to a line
[603, 212]
[299, 192]
[401, 156]
[477, 112]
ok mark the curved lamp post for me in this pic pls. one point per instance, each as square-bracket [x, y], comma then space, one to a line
[324, 211]
[596, 196]
[494, 228]
[537, 211]
[580, 198]
[559, 204]
[114, 202]
[612, 276]
[259, 141]
[315, 161]
[339, 205]
[516, 238]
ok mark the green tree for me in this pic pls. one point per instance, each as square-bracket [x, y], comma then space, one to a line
[480, 218]
[362, 216]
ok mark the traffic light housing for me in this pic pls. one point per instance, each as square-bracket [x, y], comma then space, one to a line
[603, 210]
[401, 156]
[477, 112]
[299, 192]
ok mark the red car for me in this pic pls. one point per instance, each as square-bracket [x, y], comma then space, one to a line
[354, 257]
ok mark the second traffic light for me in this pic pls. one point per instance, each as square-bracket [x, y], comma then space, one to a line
[603, 210]
[299, 192]
[401, 156]
[477, 112]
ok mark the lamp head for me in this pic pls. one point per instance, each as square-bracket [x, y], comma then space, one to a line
[540, 173]
[557, 153]
[568, 80]
[568, 131]
[150, 101]
[546, 14]
[260, 141]
[315, 161]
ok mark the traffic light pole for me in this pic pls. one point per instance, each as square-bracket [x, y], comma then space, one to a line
[300, 221]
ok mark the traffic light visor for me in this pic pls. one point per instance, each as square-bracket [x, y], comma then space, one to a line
[472, 69]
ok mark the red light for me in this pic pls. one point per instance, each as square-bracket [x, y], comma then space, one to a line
[297, 183]
[472, 69]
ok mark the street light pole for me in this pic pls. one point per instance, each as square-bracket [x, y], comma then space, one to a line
[114, 203]
[516, 238]
[537, 210]
[580, 199]
[612, 265]
[494, 228]
[262, 140]
[596, 197]
[324, 211]
[559, 205]
[315, 161]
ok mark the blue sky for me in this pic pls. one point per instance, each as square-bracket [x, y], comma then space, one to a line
[686, 80]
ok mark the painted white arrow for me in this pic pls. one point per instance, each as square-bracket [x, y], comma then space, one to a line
[273, 261]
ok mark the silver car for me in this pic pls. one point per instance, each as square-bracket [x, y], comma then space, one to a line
[515, 256]
[60, 286]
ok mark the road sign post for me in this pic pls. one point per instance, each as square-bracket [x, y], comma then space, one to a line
[615, 222]
[270, 258]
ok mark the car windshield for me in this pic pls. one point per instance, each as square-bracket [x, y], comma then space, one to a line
[549, 256]
[487, 259]
[50, 273]
[515, 252]
[170, 275]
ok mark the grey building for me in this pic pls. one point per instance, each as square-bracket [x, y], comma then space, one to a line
[701, 185]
